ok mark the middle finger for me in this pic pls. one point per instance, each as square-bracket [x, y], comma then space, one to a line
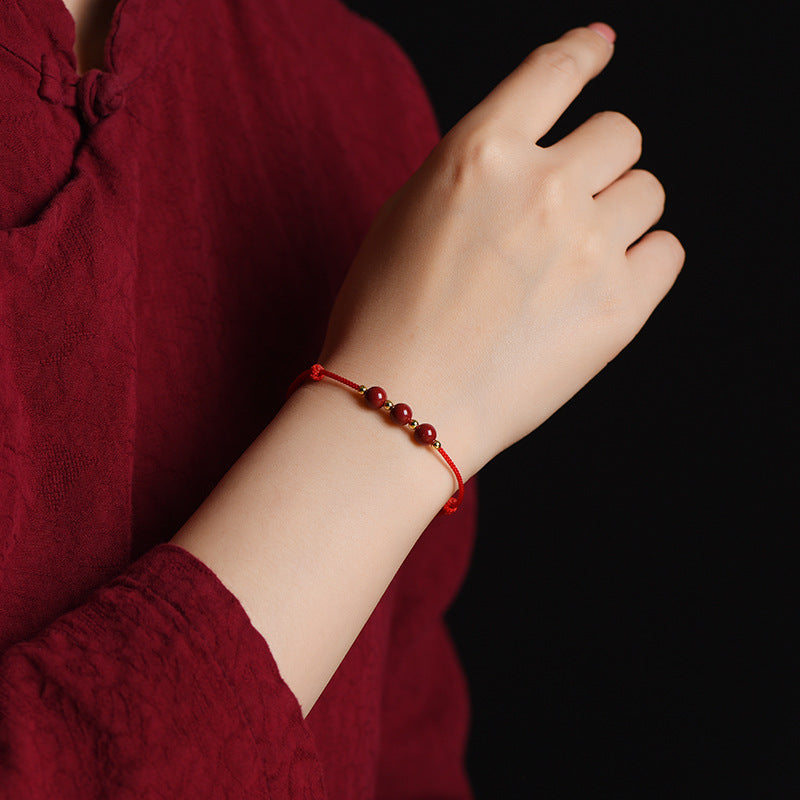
[606, 146]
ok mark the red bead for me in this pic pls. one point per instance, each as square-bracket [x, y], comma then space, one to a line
[425, 433]
[401, 414]
[375, 396]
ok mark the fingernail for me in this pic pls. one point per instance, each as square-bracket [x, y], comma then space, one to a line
[606, 31]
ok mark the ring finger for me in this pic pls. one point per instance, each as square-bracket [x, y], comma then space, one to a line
[631, 205]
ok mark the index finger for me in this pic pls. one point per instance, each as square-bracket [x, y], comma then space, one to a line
[537, 93]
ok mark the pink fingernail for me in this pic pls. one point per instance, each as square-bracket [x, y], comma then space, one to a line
[606, 31]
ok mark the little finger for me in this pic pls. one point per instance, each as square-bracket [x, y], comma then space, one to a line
[655, 262]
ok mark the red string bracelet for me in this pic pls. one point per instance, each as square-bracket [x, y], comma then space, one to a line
[376, 398]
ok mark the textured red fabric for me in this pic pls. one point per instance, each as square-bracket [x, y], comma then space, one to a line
[173, 232]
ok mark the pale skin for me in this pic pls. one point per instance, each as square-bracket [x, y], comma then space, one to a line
[92, 23]
[490, 289]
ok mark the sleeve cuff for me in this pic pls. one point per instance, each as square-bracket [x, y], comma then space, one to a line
[214, 621]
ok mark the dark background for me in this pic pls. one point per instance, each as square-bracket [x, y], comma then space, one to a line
[630, 621]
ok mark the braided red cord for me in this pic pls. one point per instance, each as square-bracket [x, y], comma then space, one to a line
[317, 372]
[451, 506]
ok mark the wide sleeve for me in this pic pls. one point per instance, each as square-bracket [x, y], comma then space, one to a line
[157, 686]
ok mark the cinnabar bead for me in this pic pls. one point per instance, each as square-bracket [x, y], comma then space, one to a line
[375, 396]
[401, 413]
[425, 433]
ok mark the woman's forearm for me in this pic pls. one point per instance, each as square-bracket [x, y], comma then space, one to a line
[310, 525]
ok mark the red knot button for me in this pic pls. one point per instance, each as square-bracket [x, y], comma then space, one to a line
[100, 94]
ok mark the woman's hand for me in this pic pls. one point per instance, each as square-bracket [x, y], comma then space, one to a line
[504, 275]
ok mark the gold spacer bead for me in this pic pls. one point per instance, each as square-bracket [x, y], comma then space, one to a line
[388, 405]
[413, 424]
[436, 444]
[362, 390]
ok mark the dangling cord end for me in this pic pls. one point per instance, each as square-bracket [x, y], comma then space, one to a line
[451, 506]
[299, 381]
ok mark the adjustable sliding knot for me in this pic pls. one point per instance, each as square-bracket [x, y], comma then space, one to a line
[400, 413]
[317, 373]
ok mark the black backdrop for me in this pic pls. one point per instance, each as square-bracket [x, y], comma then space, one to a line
[629, 623]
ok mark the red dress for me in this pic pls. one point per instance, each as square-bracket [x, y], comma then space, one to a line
[172, 235]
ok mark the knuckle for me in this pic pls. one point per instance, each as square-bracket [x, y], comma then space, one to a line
[653, 186]
[478, 155]
[623, 122]
[553, 192]
[557, 59]
[675, 247]
[624, 128]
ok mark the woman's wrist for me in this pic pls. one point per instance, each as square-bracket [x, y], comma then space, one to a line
[433, 398]
[401, 414]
